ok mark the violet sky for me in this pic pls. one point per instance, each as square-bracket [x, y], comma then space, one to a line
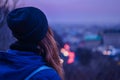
[79, 11]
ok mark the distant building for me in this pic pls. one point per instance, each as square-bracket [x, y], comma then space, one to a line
[111, 37]
[91, 41]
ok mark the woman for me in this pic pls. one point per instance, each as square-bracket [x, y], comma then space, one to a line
[34, 48]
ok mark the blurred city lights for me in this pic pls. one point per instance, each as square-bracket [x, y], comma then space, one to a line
[68, 53]
[107, 53]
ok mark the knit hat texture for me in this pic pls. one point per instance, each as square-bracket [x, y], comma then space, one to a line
[28, 24]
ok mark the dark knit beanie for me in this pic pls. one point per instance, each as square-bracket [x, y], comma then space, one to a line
[28, 24]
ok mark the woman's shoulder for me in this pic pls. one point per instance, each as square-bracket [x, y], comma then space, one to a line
[47, 74]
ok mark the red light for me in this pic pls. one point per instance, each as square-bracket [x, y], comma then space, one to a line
[67, 52]
[71, 57]
[67, 47]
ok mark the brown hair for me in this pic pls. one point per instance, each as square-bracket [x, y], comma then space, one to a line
[48, 45]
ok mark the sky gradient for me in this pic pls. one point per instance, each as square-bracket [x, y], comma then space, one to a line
[78, 11]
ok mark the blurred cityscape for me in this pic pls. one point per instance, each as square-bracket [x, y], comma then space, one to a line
[89, 36]
[88, 51]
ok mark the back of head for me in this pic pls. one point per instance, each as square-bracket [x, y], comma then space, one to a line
[28, 24]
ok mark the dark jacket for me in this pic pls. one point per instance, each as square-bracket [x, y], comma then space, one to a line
[17, 65]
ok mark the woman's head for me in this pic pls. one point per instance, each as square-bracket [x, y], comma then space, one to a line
[29, 25]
